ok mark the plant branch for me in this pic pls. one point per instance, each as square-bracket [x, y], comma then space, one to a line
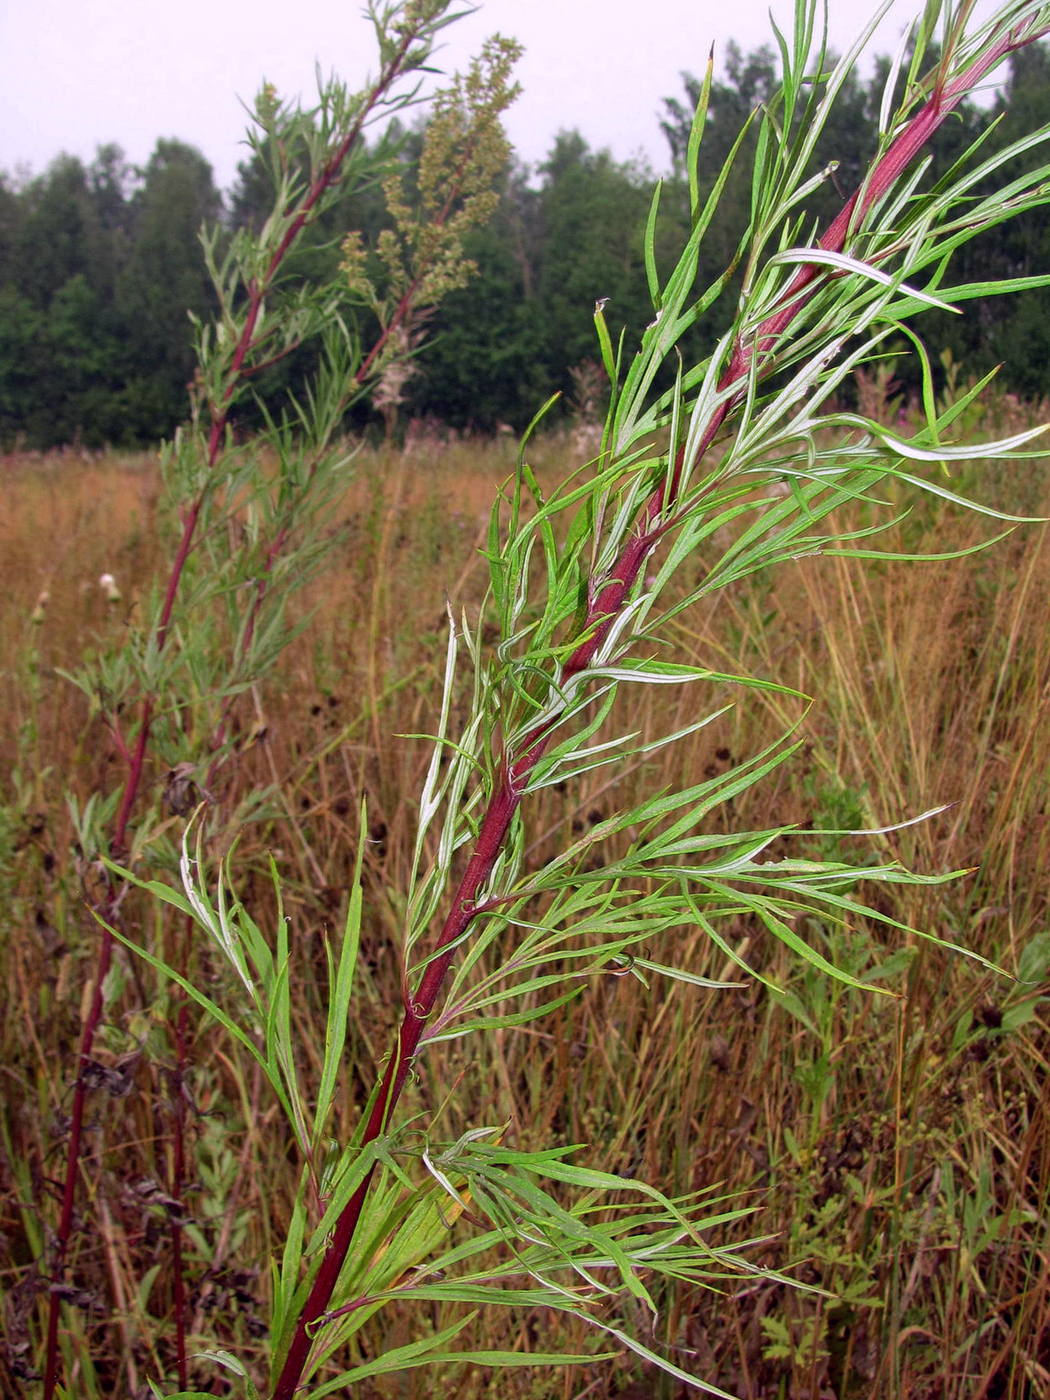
[394, 67]
[607, 599]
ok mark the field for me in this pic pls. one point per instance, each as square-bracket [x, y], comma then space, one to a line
[894, 1143]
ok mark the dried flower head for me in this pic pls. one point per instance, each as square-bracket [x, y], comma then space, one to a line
[108, 584]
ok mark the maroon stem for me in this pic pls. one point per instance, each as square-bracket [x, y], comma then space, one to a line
[945, 97]
[178, 1160]
[608, 598]
[490, 839]
[109, 909]
[178, 1177]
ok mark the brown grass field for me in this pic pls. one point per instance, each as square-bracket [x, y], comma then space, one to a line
[895, 1144]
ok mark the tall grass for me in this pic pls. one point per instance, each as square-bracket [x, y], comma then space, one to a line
[684, 1089]
[371, 1133]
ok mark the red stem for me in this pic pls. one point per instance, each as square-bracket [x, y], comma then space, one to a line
[136, 765]
[178, 1160]
[178, 1176]
[889, 169]
[607, 601]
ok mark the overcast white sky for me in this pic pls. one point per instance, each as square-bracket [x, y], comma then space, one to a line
[77, 73]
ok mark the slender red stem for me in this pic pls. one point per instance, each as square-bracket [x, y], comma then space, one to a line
[175, 1188]
[109, 910]
[177, 1180]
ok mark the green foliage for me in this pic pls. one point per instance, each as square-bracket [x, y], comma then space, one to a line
[247, 529]
[741, 457]
[715, 465]
[110, 364]
[592, 212]
[21, 335]
[163, 283]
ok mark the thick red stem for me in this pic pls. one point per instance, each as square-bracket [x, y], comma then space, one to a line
[608, 600]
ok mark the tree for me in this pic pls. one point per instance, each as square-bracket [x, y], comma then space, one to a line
[165, 279]
[62, 241]
[592, 214]
[483, 364]
[110, 181]
[55, 238]
[1014, 330]
[21, 335]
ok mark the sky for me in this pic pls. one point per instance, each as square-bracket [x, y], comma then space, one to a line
[77, 73]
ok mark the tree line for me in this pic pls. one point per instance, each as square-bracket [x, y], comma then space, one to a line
[101, 266]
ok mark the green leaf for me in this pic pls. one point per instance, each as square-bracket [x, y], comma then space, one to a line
[404, 1358]
[604, 343]
[661, 1362]
[1033, 966]
[340, 988]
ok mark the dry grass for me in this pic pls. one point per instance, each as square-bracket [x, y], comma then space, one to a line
[896, 1148]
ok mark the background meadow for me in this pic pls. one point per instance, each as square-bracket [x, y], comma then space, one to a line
[894, 1142]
